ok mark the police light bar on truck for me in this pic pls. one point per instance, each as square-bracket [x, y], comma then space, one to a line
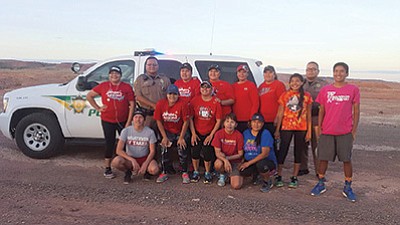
[147, 52]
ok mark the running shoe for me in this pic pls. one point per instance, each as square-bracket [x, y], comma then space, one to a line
[266, 187]
[162, 178]
[195, 177]
[147, 176]
[128, 177]
[319, 188]
[293, 182]
[278, 181]
[348, 192]
[221, 180]
[108, 173]
[207, 178]
[185, 178]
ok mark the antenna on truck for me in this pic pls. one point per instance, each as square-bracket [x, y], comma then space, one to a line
[213, 25]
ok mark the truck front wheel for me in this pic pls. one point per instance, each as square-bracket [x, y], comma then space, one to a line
[39, 136]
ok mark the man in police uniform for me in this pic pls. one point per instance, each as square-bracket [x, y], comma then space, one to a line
[149, 88]
[313, 85]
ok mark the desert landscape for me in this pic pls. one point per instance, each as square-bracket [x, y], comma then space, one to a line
[70, 188]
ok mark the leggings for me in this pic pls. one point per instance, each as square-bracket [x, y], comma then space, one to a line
[299, 145]
[182, 153]
[109, 130]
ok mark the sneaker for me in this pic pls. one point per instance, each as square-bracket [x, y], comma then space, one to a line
[162, 178]
[185, 178]
[207, 178]
[147, 176]
[221, 180]
[128, 177]
[267, 185]
[195, 177]
[256, 179]
[278, 181]
[319, 188]
[348, 192]
[293, 183]
[303, 172]
[108, 173]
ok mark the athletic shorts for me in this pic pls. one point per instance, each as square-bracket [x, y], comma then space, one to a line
[235, 169]
[262, 166]
[330, 146]
[141, 160]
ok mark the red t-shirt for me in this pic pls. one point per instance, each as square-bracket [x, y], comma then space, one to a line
[246, 100]
[290, 102]
[187, 90]
[223, 90]
[172, 117]
[269, 95]
[230, 144]
[205, 114]
[116, 98]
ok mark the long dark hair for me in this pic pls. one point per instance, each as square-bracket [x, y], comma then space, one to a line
[301, 91]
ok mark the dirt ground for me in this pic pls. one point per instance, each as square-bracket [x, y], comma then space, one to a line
[70, 188]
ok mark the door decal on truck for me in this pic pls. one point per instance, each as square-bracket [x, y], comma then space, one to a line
[76, 103]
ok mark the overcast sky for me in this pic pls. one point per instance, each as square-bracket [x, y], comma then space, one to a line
[287, 34]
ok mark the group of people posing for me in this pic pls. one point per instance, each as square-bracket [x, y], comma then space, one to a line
[236, 130]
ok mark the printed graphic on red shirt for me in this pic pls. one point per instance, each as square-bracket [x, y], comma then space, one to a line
[172, 117]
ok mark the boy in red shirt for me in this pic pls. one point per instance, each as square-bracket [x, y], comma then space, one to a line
[223, 90]
[188, 86]
[228, 145]
[206, 120]
[172, 117]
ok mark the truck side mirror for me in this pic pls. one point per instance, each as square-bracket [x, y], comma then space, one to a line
[81, 84]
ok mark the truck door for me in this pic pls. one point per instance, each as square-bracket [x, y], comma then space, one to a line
[82, 120]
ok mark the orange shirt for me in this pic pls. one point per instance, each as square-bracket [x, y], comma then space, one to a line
[269, 95]
[290, 102]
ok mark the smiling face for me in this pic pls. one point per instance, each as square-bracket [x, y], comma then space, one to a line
[172, 98]
[205, 90]
[256, 125]
[229, 125]
[138, 121]
[242, 75]
[186, 74]
[295, 83]
[340, 74]
[269, 76]
[214, 74]
[114, 77]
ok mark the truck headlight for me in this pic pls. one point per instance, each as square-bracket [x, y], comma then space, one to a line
[5, 103]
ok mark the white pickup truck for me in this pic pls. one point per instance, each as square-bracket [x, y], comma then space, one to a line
[41, 118]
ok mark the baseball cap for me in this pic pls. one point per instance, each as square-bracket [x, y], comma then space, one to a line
[187, 66]
[269, 68]
[214, 66]
[116, 69]
[139, 112]
[242, 67]
[257, 116]
[172, 88]
[206, 82]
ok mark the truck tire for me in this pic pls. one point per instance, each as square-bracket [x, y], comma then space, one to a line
[39, 136]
